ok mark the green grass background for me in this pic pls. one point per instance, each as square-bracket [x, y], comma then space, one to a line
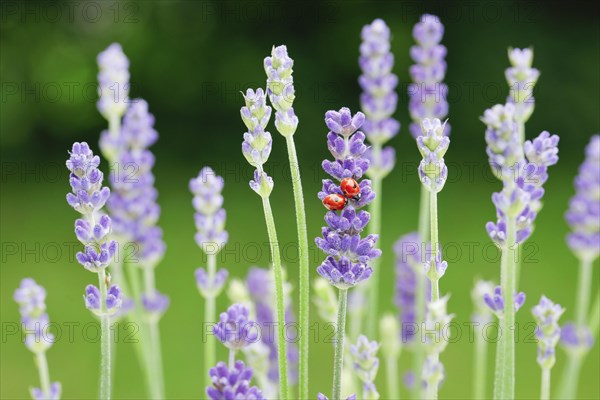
[190, 60]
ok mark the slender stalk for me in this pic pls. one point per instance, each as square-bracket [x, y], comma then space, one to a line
[479, 365]
[420, 289]
[435, 245]
[570, 377]
[545, 390]
[594, 318]
[338, 358]
[303, 263]
[508, 291]
[231, 358]
[373, 284]
[431, 392]
[210, 317]
[499, 369]
[392, 376]
[105, 341]
[279, 302]
[584, 289]
[42, 364]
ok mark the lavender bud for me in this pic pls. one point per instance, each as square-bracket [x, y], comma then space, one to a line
[576, 340]
[234, 329]
[546, 315]
[113, 300]
[262, 184]
[365, 361]
[31, 299]
[113, 79]
[495, 301]
[280, 82]
[433, 145]
[155, 304]
[521, 79]
[321, 396]
[210, 287]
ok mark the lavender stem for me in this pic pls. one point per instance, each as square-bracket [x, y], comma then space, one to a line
[338, 360]
[304, 273]
[583, 291]
[279, 303]
[479, 364]
[42, 364]
[508, 290]
[105, 369]
[210, 317]
[545, 390]
[435, 245]
[231, 358]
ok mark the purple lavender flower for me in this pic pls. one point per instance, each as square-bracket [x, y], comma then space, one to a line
[155, 303]
[232, 383]
[211, 286]
[133, 205]
[55, 392]
[428, 92]
[366, 364]
[576, 340]
[409, 259]
[114, 82]
[546, 314]
[88, 197]
[260, 284]
[234, 329]
[433, 145]
[482, 313]
[113, 299]
[349, 255]
[31, 299]
[584, 208]
[521, 79]
[321, 396]
[495, 301]
[280, 87]
[378, 100]
[504, 146]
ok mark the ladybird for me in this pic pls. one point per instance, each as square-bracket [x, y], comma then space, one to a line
[350, 188]
[334, 202]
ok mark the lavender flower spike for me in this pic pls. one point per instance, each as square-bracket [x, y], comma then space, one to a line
[521, 79]
[378, 100]
[31, 299]
[546, 315]
[234, 329]
[366, 365]
[433, 144]
[427, 92]
[437, 319]
[495, 301]
[113, 300]
[280, 87]
[504, 146]
[232, 383]
[113, 81]
[583, 215]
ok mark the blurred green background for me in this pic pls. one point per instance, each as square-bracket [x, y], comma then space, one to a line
[189, 60]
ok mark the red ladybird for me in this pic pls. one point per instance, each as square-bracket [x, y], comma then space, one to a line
[350, 188]
[334, 202]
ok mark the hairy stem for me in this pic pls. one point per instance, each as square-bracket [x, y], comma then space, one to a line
[105, 342]
[303, 263]
[479, 365]
[338, 358]
[508, 290]
[419, 355]
[499, 367]
[42, 365]
[435, 246]
[545, 390]
[210, 318]
[279, 300]
[584, 290]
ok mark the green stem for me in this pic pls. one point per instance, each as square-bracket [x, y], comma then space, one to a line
[419, 354]
[374, 229]
[210, 317]
[479, 365]
[231, 358]
[594, 318]
[499, 370]
[105, 341]
[435, 246]
[338, 358]
[584, 290]
[570, 377]
[303, 263]
[508, 290]
[279, 301]
[545, 390]
[155, 354]
[42, 365]
[392, 376]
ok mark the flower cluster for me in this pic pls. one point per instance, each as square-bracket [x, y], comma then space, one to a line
[428, 92]
[575, 339]
[260, 285]
[113, 80]
[433, 144]
[437, 320]
[132, 205]
[235, 329]
[348, 255]
[31, 299]
[521, 78]
[232, 383]
[495, 301]
[546, 314]
[113, 300]
[280, 88]
[584, 208]
[504, 146]
[521, 196]
[408, 262]
[88, 196]
[378, 100]
[257, 143]
[366, 364]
